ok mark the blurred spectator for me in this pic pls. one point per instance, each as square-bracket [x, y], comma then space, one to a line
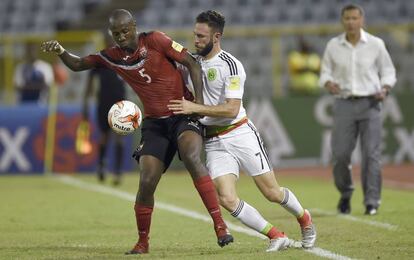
[358, 71]
[33, 77]
[304, 66]
[111, 90]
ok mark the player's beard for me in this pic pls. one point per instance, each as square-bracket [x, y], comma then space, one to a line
[206, 50]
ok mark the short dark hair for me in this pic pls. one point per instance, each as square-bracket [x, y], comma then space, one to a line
[214, 20]
[352, 7]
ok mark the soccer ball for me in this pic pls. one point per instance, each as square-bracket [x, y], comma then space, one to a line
[124, 117]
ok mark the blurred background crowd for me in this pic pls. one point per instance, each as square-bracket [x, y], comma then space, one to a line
[280, 43]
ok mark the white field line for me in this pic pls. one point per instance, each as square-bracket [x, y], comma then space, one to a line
[184, 212]
[374, 223]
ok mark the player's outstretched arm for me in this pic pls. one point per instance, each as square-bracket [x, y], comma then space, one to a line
[73, 62]
[229, 109]
[195, 73]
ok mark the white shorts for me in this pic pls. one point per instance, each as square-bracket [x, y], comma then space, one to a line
[241, 148]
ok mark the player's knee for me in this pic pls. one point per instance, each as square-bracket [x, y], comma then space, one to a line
[191, 159]
[192, 156]
[274, 195]
[228, 201]
[147, 185]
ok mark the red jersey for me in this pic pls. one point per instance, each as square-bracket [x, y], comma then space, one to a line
[150, 70]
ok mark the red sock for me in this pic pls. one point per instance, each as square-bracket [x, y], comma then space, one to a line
[205, 188]
[305, 220]
[143, 217]
[274, 233]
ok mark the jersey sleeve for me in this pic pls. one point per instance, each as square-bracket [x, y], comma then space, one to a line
[96, 60]
[234, 78]
[164, 44]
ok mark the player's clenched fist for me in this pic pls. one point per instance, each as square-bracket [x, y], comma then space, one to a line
[52, 46]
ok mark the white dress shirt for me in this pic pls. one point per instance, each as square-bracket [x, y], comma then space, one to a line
[360, 70]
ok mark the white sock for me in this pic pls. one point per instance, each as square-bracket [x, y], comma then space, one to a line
[251, 218]
[291, 203]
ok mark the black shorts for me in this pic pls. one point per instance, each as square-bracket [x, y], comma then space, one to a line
[159, 136]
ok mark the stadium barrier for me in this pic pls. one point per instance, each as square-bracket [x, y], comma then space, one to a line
[23, 139]
[296, 132]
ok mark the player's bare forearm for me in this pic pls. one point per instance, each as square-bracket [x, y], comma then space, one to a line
[73, 62]
[229, 109]
[223, 110]
[196, 77]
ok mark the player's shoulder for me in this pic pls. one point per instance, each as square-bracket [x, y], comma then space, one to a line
[152, 35]
[110, 52]
[232, 63]
[225, 55]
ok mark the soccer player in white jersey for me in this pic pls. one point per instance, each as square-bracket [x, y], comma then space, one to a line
[232, 141]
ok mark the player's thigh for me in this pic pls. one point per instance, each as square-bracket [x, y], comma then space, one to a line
[219, 161]
[249, 150]
[190, 145]
[155, 142]
[187, 133]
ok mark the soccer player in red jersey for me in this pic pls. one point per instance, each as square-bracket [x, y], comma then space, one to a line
[146, 61]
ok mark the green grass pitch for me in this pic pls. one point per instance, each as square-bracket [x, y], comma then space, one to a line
[44, 218]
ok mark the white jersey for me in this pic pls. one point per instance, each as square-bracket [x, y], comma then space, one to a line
[242, 147]
[223, 77]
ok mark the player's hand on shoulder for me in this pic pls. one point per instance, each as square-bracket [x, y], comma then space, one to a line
[52, 46]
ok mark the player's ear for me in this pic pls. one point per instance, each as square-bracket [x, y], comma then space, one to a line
[216, 37]
[109, 32]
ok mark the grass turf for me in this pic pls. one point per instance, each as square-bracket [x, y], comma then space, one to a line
[42, 218]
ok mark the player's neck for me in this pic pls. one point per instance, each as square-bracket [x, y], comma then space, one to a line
[216, 49]
[132, 47]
